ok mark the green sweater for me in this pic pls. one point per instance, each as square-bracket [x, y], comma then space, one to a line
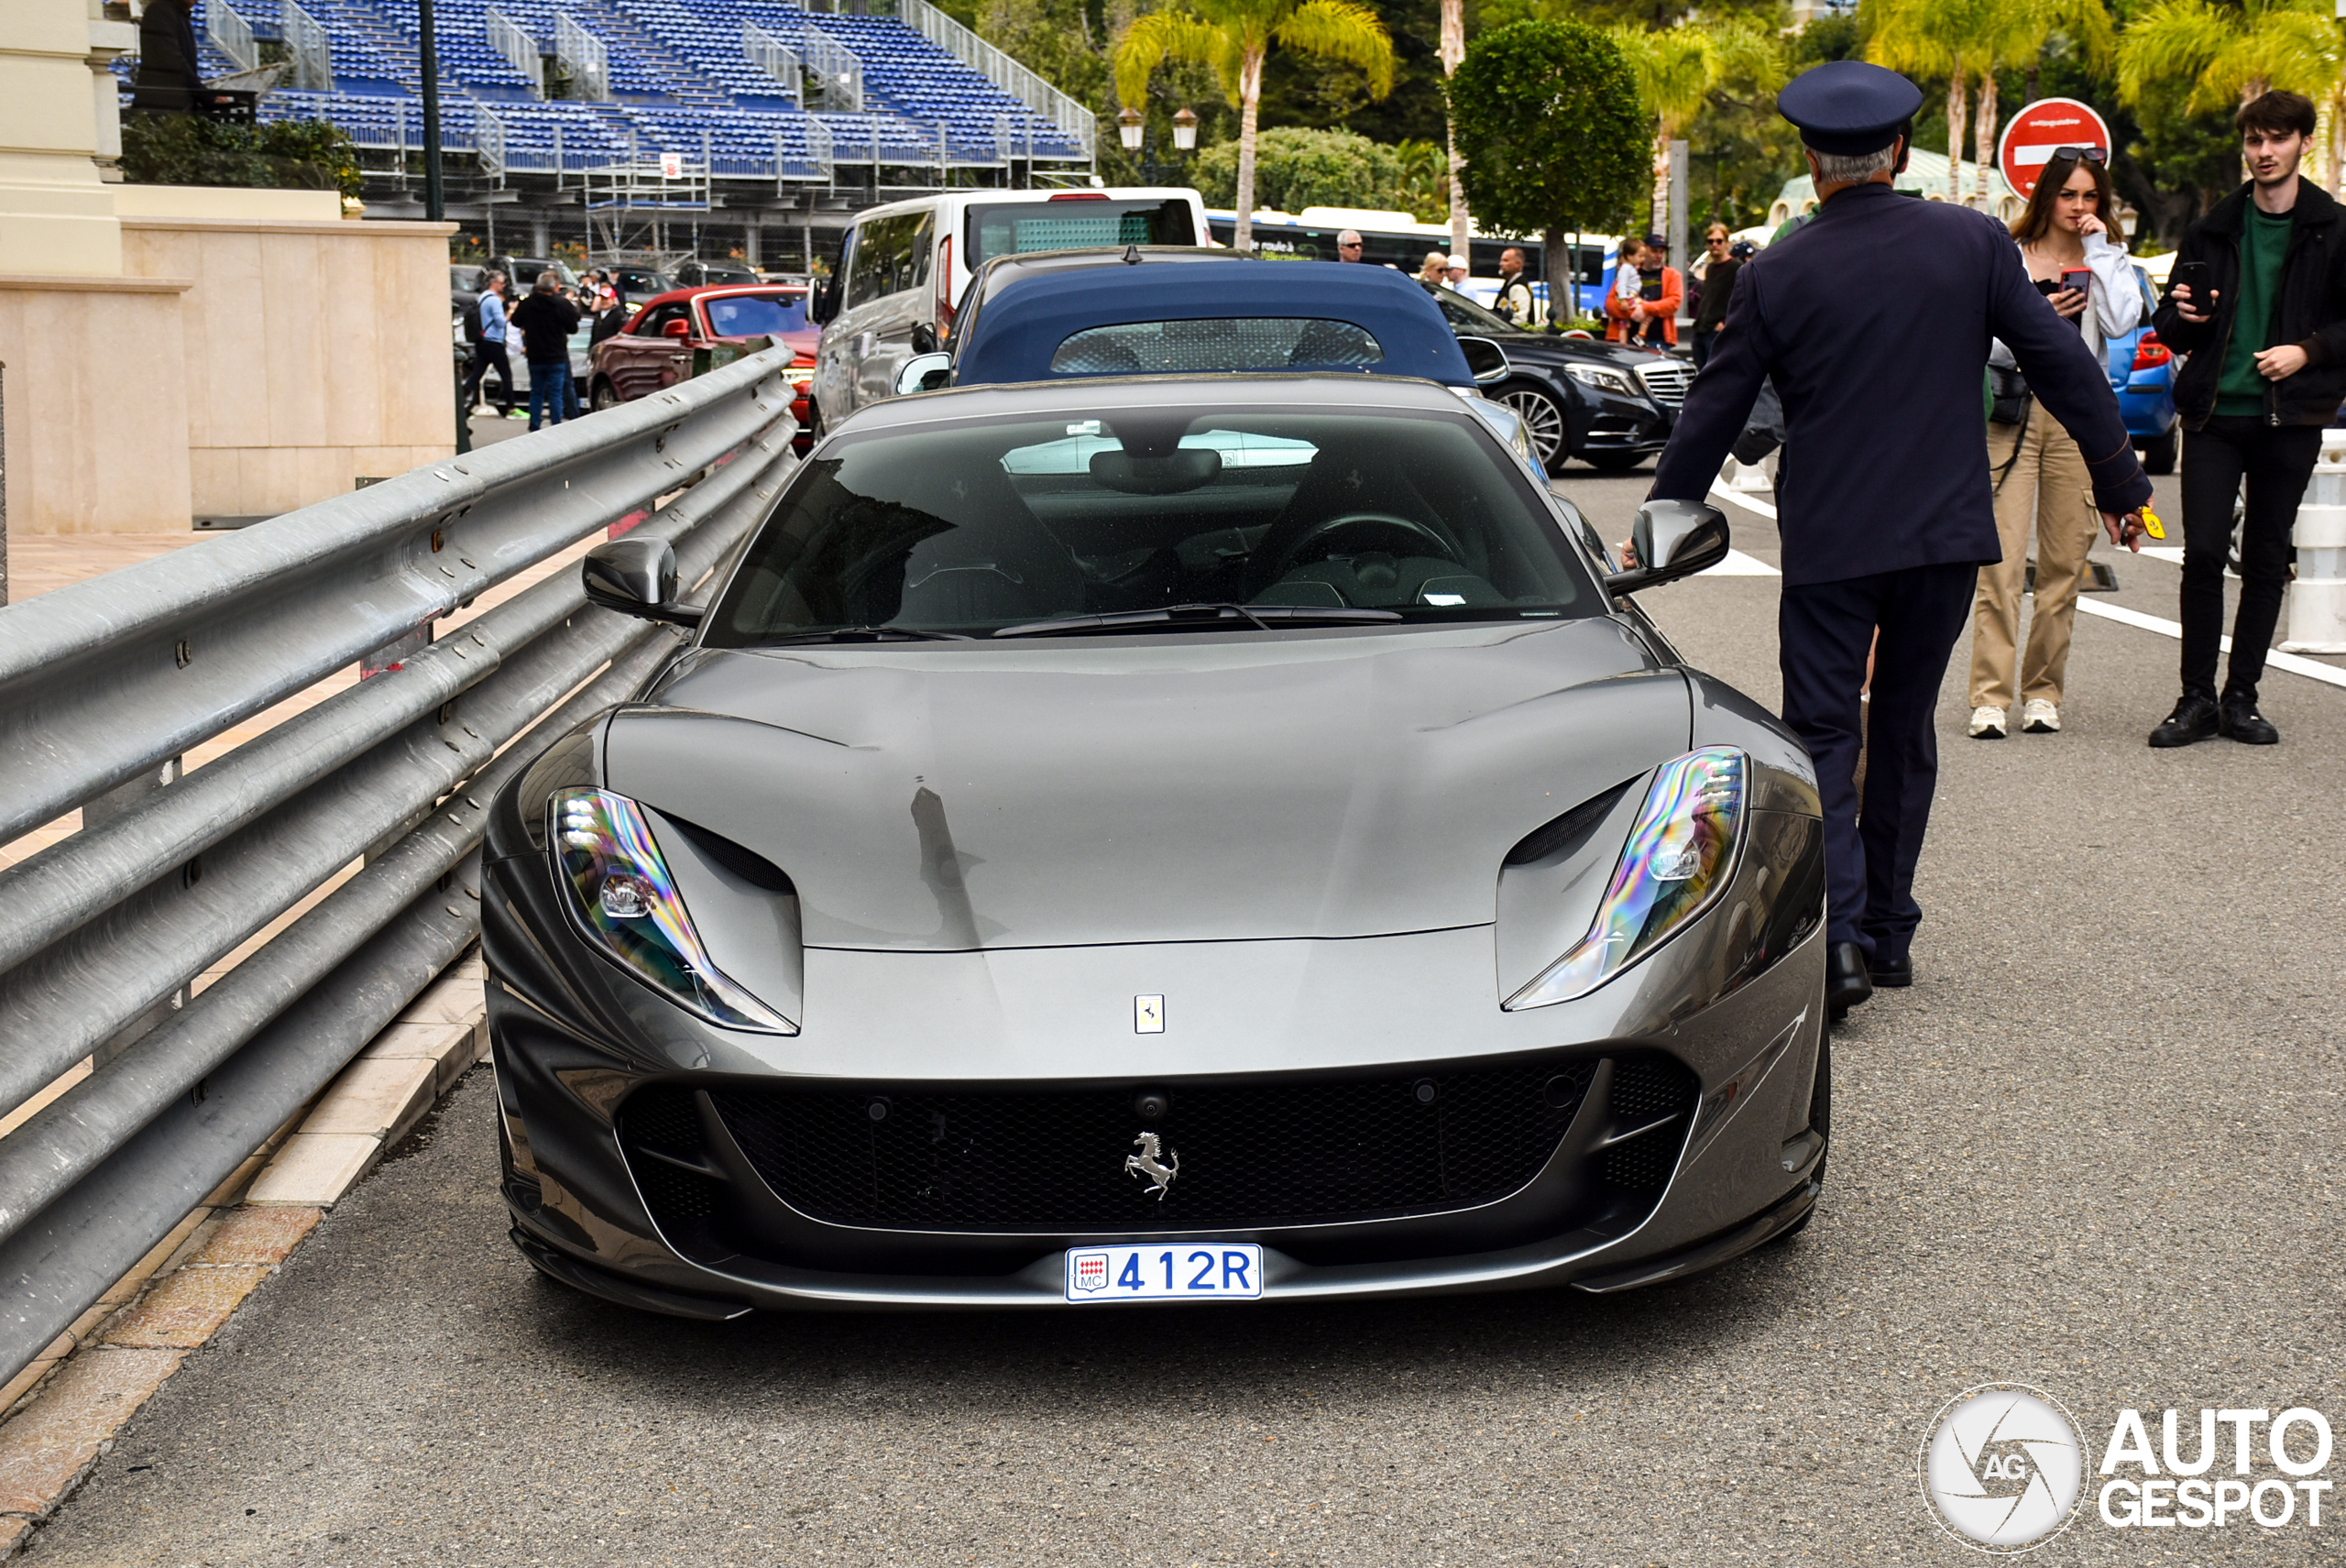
[2265, 240]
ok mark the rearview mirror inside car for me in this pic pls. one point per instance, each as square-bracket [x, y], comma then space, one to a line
[1673, 540]
[637, 577]
[924, 373]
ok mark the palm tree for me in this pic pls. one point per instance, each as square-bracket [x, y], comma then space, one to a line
[2019, 31]
[1953, 38]
[1453, 52]
[1677, 68]
[2230, 55]
[1234, 37]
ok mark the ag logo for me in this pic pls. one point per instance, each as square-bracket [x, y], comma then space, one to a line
[2002, 1466]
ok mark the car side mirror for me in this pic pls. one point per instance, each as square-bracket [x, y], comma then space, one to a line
[925, 373]
[1486, 359]
[637, 577]
[678, 328]
[824, 304]
[924, 338]
[1673, 540]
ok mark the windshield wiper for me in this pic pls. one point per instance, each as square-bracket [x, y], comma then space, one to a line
[1256, 617]
[865, 634]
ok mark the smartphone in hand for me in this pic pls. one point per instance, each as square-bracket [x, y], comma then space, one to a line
[2079, 279]
[2194, 274]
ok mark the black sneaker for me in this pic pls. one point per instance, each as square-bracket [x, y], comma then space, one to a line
[2193, 718]
[2237, 718]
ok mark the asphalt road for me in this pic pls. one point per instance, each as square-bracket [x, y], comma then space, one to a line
[2093, 1149]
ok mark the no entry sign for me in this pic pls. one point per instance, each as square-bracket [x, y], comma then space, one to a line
[2028, 142]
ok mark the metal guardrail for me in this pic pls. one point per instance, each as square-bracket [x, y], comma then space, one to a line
[519, 50]
[1002, 71]
[231, 35]
[305, 39]
[106, 683]
[836, 66]
[583, 55]
[774, 57]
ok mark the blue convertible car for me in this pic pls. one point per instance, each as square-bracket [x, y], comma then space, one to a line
[2142, 372]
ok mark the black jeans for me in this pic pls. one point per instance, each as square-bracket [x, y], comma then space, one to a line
[2276, 461]
[488, 357]
[1701, 342]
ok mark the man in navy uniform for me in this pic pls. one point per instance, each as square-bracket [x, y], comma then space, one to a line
[1874, 321]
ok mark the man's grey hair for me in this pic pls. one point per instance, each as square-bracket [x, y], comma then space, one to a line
[1349, 236]
[547, 282]
[1854, 169]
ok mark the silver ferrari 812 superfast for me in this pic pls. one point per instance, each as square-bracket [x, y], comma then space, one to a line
[1182, 838]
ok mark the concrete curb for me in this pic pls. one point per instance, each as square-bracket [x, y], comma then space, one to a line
[60, 1415]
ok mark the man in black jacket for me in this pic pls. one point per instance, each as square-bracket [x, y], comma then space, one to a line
[2266, 373]
[167, 76]
[546, 319]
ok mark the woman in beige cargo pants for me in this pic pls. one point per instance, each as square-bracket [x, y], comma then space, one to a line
[2041, 483]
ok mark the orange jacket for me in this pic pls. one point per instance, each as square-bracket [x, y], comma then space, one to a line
[1673, 296]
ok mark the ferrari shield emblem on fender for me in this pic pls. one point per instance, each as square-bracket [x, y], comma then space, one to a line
[1148, 1166]
[1149, 1015]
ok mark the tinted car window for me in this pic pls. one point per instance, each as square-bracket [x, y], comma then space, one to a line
[1243, 343]
[1464, 315]
[890, 254]
[968, 528]
[1012, 228]
[750, 315]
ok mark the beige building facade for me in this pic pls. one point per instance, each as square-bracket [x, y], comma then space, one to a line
[169, 353]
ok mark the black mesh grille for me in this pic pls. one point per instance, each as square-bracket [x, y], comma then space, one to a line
[1253, 1154]
[1644, 1090]
[663, 1117]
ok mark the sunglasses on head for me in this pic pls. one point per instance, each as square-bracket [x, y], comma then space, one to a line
[2081, 154]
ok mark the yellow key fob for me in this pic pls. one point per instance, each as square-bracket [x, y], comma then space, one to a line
[2151, 525]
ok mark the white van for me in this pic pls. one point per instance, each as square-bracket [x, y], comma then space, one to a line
[902, 270]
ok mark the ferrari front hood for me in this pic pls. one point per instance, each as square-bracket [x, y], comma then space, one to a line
[1209, 787]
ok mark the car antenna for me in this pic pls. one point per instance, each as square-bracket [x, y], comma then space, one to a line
[1132, 256]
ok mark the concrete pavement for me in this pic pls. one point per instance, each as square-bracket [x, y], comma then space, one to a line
[2091, 1149]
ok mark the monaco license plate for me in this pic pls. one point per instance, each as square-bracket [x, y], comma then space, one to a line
[1197, 1272]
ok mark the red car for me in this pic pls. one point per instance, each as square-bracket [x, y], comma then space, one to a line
[686, 331]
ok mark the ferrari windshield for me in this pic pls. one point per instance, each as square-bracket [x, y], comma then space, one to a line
[752, 316]
[996, 525]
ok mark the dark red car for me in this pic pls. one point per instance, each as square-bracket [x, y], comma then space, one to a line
[688, 332]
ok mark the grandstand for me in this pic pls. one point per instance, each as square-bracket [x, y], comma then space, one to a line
[664, 106]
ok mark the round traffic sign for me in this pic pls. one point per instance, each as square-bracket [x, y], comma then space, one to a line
[2029, 140]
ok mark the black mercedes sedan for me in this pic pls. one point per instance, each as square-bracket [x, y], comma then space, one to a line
[1605, 403]
[1160, 838]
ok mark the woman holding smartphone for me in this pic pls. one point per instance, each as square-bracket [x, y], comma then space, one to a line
[2042, 486]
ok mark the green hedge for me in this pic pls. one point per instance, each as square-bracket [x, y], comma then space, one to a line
[188, 149]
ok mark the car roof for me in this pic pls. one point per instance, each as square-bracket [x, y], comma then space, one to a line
[1000, 272]
[984, 198]
[1087, 397]
[1025, 320]
[716, 291]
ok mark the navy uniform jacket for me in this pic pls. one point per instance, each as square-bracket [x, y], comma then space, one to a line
[1874, 322]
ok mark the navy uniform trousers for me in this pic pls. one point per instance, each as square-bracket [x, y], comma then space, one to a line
[1874, 321]
[1825, 631]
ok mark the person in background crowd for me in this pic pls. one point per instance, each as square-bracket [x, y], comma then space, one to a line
[1718, 287]
[546, 320]
[1435, 272]
[2267, 367]
[167, 73]
[489, 352]
[1454, 274]
[1883, 501]
[1515, 302]
[610, 316]
[1348, 246]
[1647, 312]
[2040, 475]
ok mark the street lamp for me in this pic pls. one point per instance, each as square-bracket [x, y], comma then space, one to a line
[1128, 128]
[1185, 126]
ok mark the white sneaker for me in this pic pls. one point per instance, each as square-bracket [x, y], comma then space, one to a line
[2038, 717]
[1988, 723]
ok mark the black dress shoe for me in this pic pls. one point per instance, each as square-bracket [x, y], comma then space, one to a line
[2237, 717]
[1846, 980]
[2193, 718]
[1891, 972]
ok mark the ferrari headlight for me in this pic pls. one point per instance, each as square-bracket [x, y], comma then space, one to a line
[1617, 381]
[1680, 855]
[628, 906]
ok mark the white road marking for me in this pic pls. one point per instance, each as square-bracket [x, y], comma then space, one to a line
[2311, 669]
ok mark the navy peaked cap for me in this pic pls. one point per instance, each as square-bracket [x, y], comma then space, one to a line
[1849, 107]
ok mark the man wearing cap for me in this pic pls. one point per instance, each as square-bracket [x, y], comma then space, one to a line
[1884, 497]
[1455, 273]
